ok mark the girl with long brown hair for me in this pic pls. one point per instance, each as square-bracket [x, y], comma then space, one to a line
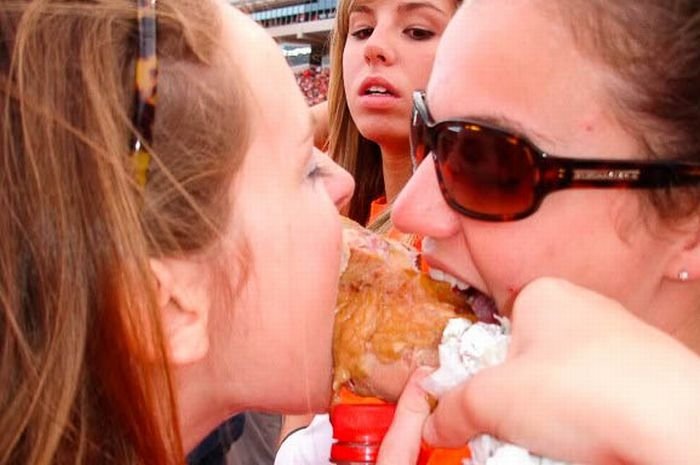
[381, 51]
[152, 217]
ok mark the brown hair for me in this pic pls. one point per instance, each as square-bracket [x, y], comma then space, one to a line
[360, 156]
[653, 49]
[357, 154]
[83, 363]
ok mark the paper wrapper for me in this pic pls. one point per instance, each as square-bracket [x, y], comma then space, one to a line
[465, 349]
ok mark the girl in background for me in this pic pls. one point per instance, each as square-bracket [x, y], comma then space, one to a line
[380, 52]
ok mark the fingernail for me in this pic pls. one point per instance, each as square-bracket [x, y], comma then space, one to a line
[432, 401]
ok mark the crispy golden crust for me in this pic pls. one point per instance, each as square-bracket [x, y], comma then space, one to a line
[389, 315]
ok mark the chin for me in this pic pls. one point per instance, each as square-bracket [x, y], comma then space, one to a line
[380, 133]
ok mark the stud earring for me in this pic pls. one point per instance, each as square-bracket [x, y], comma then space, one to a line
[683, 275]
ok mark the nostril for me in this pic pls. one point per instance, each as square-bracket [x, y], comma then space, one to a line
[374, 53]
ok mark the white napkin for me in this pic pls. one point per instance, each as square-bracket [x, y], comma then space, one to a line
[465, 349]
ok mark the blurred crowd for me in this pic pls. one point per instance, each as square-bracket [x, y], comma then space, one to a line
[313, 83]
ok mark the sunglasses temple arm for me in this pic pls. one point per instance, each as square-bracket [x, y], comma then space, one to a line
[560, 173]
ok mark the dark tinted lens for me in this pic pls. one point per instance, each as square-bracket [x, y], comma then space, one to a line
[485, 171]
[418, 133]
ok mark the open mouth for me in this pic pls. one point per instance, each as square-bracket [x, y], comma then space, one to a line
[378, 90]
[483, 306]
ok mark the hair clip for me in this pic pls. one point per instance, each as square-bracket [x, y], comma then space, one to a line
[146, 81]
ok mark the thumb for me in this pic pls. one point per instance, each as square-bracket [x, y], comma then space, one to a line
[401, 443]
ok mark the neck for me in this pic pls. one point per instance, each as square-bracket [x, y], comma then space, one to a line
[201, 409]
[396, 167]
[689, 334]
[680, 318]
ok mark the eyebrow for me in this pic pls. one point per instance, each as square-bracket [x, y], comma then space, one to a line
[308, 133]
[405, 7]
[512, 126]
[413, 6]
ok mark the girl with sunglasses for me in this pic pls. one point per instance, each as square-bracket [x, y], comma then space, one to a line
[152, 219]
[557, 173]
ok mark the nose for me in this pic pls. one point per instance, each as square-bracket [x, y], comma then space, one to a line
[378, 48]
[339, 184]
[420, 207]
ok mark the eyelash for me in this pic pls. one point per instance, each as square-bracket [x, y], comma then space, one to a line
[423, 34]
[360, 33]
[317, 171]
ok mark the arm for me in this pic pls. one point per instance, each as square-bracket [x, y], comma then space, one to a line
[584, 381]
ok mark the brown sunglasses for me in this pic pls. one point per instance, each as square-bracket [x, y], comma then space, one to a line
[489, 174]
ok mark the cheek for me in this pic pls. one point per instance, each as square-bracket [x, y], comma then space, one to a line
[604, 249]
[420, 65]
[508, 256]
[351, 59]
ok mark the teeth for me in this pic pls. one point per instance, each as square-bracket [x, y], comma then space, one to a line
[439, 275]
[377, 90]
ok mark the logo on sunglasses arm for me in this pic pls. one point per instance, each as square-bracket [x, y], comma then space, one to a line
[601, 174]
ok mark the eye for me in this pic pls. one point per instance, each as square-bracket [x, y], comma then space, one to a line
[362, 33]
[316, 172]
[417, 33]
[317, 169]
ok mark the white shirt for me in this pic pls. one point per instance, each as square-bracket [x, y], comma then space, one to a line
[308, 446]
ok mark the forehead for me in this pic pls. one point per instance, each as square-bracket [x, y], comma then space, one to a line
[276, 101]
[509, 53]
[510, 59]
[400, 5]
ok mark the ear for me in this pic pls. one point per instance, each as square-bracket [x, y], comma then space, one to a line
[686, 260]
[182, 295]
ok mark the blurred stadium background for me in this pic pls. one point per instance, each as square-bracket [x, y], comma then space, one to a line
[301, 29]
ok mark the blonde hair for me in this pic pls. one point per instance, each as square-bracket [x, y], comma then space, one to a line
[83, 362]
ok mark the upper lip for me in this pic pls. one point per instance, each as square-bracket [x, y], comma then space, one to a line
[377, 81]
[436, 264]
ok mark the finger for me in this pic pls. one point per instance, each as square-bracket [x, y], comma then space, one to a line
[401, 444]
[476, 406]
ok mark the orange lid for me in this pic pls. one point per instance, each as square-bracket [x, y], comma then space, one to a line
[346, 396]
[358, 430]
[361, 423]
[442, 456]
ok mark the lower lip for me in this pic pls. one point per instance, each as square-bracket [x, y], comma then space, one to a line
[378, 101]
